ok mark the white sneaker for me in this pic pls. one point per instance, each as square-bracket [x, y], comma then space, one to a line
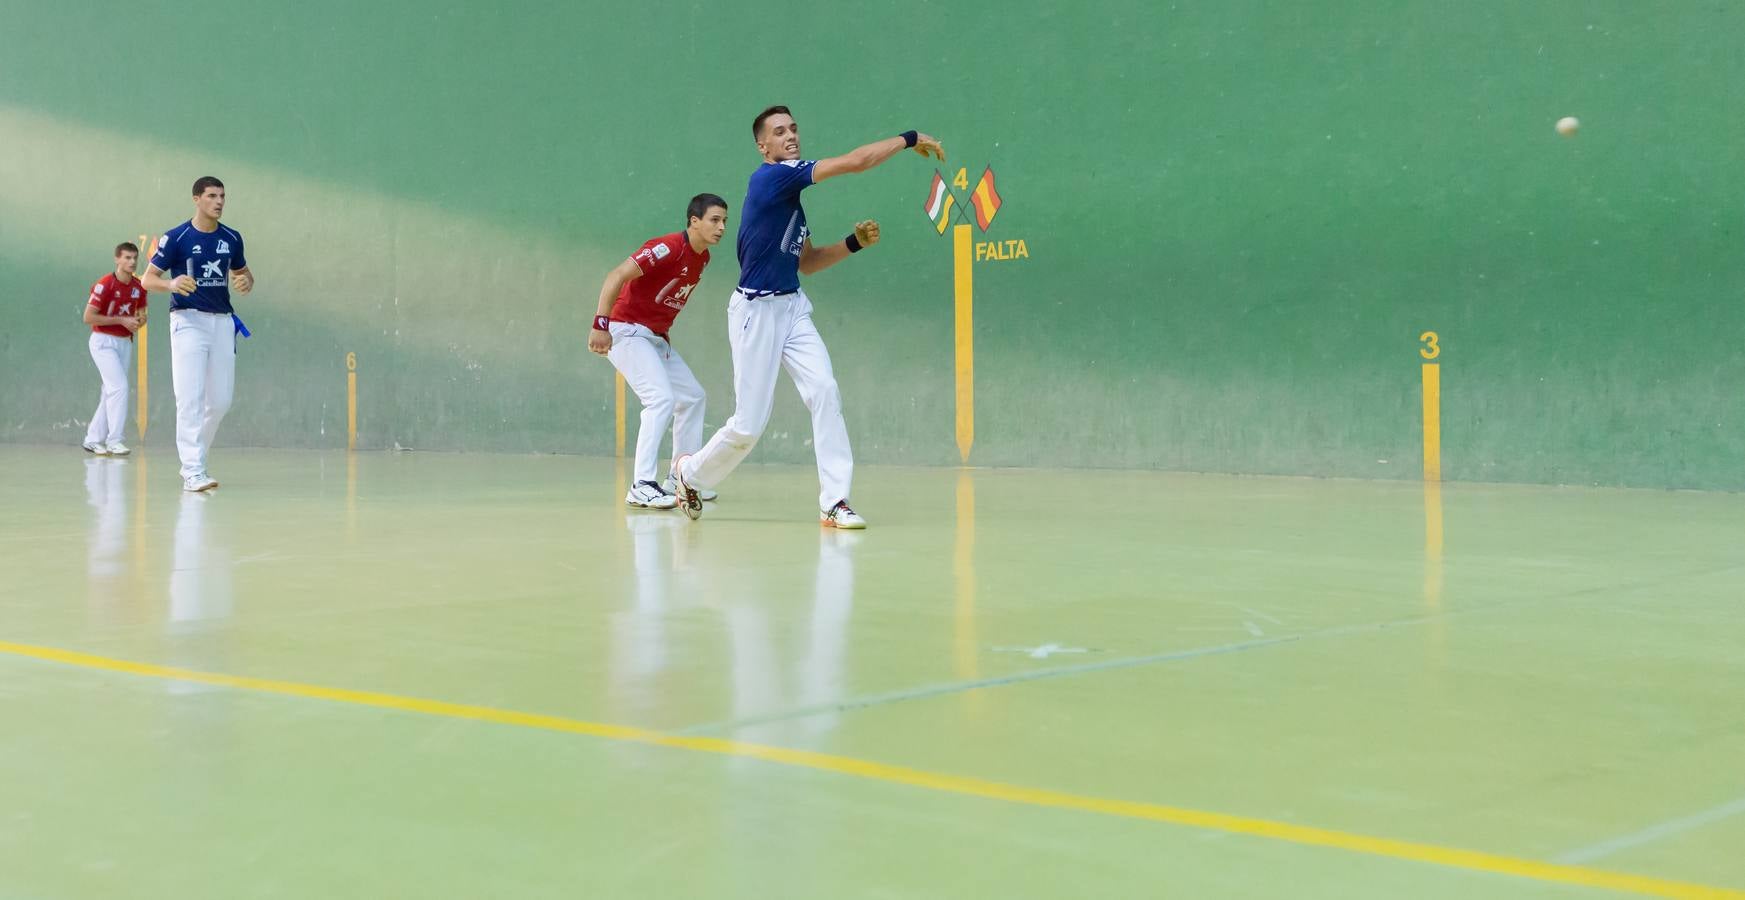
[197, 483]
[95, 447]
[648, 495]
[117, 448]
[703, 494]
[690, 501]
[840, 516]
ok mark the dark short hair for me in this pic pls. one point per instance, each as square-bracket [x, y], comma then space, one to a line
[206, 181]
[757, 123]
[700, 206]
[126, 247]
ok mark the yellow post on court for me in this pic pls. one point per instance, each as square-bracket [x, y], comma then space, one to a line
[350, 401]
[963, 272]
[1432, 382]
[141, 348]
[618, 413]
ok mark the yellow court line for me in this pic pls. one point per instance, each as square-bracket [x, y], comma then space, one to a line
[1470, 860]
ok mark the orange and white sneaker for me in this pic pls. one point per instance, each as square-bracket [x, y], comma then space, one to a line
[690, 502]
[841, 516]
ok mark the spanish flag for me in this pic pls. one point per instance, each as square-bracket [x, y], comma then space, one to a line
[939, 202]
[985, 199]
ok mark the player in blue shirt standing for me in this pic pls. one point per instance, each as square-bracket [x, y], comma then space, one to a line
[198, 262]
[769, 319]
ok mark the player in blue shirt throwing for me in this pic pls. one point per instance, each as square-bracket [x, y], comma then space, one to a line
[197, 263]
[769, 319]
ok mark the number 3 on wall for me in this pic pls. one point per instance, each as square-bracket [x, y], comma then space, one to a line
[1430, 350]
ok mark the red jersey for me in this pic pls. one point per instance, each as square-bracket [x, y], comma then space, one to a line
[670, 271]
[109, 297]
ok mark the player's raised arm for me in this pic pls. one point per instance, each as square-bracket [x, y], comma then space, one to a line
[866, 157]
[599, 339]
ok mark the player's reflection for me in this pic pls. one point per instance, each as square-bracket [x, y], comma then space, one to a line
[201, 591]
[105, 492]
[786, 633]
[773, 676]
[106, 558]
[639, 634]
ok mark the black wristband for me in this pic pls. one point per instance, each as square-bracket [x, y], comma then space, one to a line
[853, 244]
[910, 137]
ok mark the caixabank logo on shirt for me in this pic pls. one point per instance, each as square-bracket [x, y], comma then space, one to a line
[211, 273]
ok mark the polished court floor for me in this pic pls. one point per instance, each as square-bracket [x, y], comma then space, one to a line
[427, 675]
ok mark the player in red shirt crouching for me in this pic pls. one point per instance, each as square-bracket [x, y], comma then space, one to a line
[115, 311]
[638, 303]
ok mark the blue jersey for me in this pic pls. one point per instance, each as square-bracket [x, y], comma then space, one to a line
[772, 227]
[208, 257]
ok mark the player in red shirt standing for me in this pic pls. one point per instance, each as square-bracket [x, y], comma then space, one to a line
[115, 311]
[638, 302]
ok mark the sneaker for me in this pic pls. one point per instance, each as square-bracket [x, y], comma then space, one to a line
[648, 495]
[840, 516]
[94, 447]
[194, 484]
[703, 494]
[117, 448]
[690, 502]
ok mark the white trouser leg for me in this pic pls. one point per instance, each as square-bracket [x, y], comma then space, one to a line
[203, 370]
[808, 363]
[637, 352]
[757, 330]
[112, 355]
[688, 402]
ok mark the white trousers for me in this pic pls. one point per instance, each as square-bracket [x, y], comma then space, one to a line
[203, 368]
[769, 334]
[668, 391]
[112, 355]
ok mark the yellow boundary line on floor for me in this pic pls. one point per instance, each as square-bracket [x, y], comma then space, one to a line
[1470, 860]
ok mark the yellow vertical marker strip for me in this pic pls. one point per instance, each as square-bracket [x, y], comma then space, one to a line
[140, 348]
[963, 566]
[1430, 351]
[1432, 422]
[351, 401]
[618, 414]
[965, 285]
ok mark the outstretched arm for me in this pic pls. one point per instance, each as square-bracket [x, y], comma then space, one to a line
[600, 341]
[866, 157]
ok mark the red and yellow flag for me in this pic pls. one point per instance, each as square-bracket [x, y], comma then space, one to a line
[985, 199]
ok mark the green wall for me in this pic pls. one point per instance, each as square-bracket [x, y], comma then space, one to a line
[1240, 215]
